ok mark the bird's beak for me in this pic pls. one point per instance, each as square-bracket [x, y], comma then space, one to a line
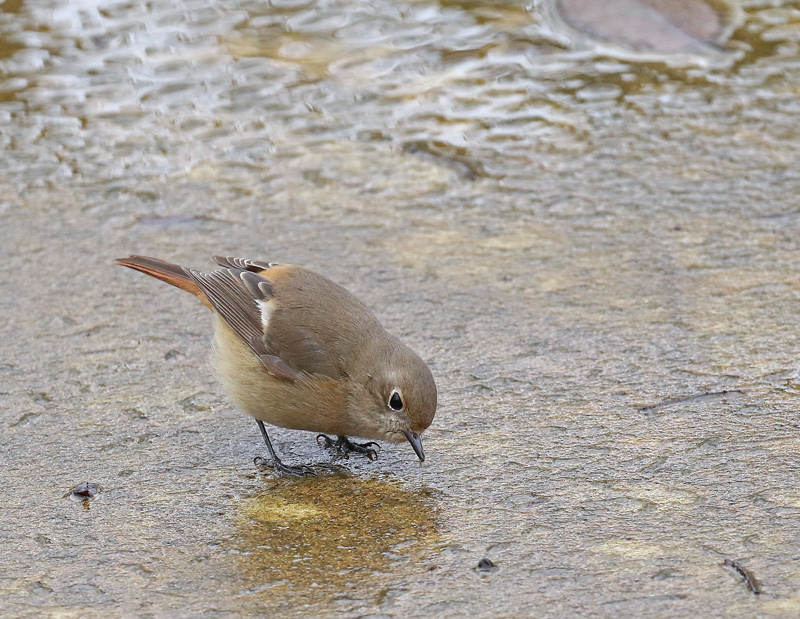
[416, 443]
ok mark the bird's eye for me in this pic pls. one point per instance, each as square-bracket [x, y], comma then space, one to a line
[395, 401]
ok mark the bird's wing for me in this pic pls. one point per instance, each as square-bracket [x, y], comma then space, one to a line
[244, 264]
[300, 348]
[245, 300]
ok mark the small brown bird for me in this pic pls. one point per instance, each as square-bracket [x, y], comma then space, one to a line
[298, 351]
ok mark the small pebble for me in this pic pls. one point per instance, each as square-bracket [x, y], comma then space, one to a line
[485, 564]
[84, 489]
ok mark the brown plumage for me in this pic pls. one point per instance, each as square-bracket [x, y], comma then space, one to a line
[296, 350]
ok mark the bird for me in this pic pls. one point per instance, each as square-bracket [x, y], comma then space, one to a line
[295, 350]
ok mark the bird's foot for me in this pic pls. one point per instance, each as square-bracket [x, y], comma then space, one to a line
[345, 446]
[282, 470]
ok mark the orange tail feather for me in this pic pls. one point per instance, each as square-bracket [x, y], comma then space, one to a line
[165, 271]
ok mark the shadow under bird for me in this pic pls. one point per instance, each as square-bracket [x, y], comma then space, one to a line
[298, 351]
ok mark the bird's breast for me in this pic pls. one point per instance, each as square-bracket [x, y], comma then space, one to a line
[313, 402]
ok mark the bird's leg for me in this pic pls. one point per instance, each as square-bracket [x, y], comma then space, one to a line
[345, 446]
[279, 467]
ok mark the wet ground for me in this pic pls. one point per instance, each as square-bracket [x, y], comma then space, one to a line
[592, 241]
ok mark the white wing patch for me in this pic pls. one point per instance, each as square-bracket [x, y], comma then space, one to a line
[266, 307]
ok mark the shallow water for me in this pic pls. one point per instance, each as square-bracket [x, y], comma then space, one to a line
[595, 247]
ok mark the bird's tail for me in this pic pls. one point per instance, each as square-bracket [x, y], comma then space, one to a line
[163, 270]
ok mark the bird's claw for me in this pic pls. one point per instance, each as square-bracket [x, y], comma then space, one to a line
[345, 446]
[281, 469]
[327, 443]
